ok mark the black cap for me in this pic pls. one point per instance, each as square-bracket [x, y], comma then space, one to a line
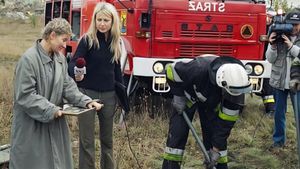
[293, 17]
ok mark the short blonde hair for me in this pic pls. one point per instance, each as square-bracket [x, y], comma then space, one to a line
[58, 25]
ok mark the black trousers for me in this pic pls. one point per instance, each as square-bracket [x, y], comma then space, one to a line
[179, 130]
[267, 96]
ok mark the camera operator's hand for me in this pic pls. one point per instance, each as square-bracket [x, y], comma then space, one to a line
[287, 41]
[272, 39]
[294, 85]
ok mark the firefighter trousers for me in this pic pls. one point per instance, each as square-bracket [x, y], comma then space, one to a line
[178, 134]
[267, 97]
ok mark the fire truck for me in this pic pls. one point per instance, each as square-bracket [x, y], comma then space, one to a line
[158, 32]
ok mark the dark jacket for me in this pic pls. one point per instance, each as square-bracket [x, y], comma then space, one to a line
[199, 81]
[101, 72]
[199, 76]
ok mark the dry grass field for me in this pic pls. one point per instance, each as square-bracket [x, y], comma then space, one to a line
[248, 144]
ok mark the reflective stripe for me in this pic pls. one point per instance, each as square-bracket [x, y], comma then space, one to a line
[223, 157]
[223, 153]
[169, 72]
[189, 97]
[172, 157]
[230, 112]
[228, 115]
[223, 160]
[269, 99]
[173, 154]
[189, 104]
[172, 74]
[199, 95]
[175, 151]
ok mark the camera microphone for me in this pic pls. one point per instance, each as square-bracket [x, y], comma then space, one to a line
[79, 68]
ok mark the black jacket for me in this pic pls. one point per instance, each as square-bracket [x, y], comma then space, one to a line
[199, 76]
[101, 72]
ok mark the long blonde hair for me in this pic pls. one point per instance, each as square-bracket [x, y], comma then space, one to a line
[109, 10]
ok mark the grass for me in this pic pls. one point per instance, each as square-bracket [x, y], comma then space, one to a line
[16, 36]
[6, 92]
[248, 144]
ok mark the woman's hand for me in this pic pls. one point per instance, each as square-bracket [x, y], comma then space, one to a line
[95, 105]
[58, 114]
[79, 78]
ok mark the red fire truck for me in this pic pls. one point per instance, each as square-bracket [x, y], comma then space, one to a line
[158, 32]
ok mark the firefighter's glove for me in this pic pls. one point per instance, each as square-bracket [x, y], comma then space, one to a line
[179, 103]
[214, 157]
[294, 85]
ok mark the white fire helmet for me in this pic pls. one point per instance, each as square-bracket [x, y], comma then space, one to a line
[233, 78]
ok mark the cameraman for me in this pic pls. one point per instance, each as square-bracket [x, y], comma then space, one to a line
[280, 75]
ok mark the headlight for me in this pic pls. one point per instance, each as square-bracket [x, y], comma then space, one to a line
[158, 67]
[248, 68]
[258, 69]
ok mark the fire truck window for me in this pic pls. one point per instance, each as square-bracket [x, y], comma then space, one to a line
[56, 10]
[66, 10]
[48, 12]
[76, 25]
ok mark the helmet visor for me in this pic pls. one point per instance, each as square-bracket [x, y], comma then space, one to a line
[237, 90]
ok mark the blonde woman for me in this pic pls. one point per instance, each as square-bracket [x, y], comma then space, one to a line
[40, 134]
[100, 48]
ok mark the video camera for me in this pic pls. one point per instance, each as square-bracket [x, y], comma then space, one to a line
[280, 27]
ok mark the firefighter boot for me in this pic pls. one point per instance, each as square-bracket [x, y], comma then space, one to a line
[222, 166]
[167, 164]
[270, 108]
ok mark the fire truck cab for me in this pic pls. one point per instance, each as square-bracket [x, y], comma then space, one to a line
[157, 32]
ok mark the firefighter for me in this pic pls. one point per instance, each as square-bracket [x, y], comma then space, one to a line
[215, 86]
[267, 90]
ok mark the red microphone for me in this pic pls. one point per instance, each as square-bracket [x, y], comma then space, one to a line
[79, 68]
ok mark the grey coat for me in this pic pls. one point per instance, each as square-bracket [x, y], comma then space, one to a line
[38, 140]
[281, 65]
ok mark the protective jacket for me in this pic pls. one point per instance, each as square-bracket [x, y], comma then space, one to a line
[218, 111]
